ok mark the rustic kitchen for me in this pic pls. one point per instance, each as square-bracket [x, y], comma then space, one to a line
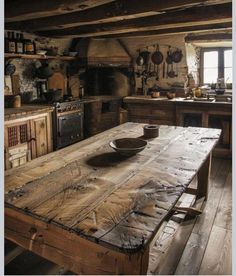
[118, 137]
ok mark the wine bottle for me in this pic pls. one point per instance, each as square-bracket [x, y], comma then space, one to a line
[6, 42]
[19, 44]
[12, 44]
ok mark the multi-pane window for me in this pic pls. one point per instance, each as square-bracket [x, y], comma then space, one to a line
[228, 66]
[216, 63]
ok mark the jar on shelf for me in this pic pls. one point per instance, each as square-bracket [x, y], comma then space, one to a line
[29, 47]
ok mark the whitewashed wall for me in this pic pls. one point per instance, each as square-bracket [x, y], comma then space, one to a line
[135, 43]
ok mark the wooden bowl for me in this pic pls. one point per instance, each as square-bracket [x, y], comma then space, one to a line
[170, 95]
[128, 146]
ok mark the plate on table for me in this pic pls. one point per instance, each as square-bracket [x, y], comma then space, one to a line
[128, 146]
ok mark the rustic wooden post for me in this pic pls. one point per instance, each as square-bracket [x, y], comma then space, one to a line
[203, 178]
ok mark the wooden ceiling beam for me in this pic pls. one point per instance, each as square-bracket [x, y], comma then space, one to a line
[192, 16]
[208, 37]
[17, 10]
[179, 30]
[110, 12]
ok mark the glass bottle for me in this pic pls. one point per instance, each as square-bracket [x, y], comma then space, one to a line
[12, 44]
[19, 44]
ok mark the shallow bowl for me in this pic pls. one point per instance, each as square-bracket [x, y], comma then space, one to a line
[128, 146]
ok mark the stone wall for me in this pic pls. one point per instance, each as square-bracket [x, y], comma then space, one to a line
[25, 68]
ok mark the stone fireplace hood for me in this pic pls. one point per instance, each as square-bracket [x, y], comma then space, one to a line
[103, 53]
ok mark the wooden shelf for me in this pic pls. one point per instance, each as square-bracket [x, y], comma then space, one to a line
[9, 55]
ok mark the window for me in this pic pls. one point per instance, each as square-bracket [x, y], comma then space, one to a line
[216, 63]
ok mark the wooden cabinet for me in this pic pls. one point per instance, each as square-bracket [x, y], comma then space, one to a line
[209, 115]
[27, 138]
[41, 136]
[184, 113]
[162, 113]
[16, 143]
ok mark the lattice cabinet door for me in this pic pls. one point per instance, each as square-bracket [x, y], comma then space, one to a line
[16, 144]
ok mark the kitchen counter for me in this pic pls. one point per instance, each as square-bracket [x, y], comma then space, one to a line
[182, 112]
[25, 111]
[177, 100]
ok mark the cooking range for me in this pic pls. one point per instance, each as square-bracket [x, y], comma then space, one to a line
[67, 122]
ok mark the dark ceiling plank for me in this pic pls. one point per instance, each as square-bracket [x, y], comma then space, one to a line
[169, 31]
[207, 37]
[25, 9]
[192, 16]
[110, 12]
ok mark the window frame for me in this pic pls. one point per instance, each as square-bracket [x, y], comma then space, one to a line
[220, 51]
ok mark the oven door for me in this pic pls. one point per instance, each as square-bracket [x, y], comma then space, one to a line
[70, 129]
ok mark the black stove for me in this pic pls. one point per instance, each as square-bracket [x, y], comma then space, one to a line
[68, 119]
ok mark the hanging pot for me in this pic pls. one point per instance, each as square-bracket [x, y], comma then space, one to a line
[169, 57]
[139, 60]
[157, 56]
[177, 56]
[44, 71]
[9, 69]
[146, 56]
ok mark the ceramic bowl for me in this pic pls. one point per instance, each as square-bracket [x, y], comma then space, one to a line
[128, 146]
[73, 54]
[41, 52]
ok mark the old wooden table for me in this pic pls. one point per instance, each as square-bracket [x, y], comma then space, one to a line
[94, 212]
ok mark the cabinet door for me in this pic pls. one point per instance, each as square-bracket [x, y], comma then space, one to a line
[16, 144]
[41, 137]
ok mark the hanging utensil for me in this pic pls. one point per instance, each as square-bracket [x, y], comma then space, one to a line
[139, 60]
[171, 73]
[9, 69]
[157, 73]
[146, 56]
[177, 56]
[176, 75]
[169, 56]
[44, 71]
[157, 56]
[163, 72]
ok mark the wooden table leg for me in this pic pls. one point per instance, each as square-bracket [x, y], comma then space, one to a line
[203, 178]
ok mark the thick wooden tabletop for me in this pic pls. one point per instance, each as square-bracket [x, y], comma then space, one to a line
[118, 202]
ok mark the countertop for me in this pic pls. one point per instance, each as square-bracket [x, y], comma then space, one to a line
[33, 109]
[177, 100]
[25, 111]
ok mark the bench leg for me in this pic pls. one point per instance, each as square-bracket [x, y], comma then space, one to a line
[203, 178]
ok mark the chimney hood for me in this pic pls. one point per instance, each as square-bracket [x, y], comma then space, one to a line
[102, 53]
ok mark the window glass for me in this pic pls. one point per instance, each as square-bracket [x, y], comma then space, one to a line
[228, 66]
[228, 58]
[210, 75]
[228, 75]
[211, 59]
[210, 67]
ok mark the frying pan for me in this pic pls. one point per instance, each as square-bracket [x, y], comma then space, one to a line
[139, 60]
[169, 57]
[145, 55]
[157, 56]
[177, 56]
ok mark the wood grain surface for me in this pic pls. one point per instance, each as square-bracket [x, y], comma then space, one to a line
[119, 202]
